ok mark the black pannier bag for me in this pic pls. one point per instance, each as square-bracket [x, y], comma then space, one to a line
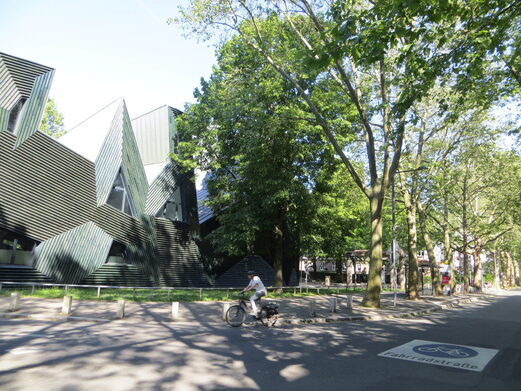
[272, 308]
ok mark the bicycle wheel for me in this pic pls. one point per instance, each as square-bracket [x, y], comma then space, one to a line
[268, 321]
[235, 315]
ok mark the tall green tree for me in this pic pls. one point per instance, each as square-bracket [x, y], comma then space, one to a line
[379, 59]
[437, 130]
[249, 131]
[52, 120]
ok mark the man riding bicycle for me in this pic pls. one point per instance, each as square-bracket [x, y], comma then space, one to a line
[260, 290]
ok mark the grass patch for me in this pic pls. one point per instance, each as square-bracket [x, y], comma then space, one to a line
[165, 295]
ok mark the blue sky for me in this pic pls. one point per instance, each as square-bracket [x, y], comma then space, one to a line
[105, 49]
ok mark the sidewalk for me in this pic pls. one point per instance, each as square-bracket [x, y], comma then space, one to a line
[291, 310]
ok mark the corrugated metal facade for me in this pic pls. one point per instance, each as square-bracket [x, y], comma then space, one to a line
[108, 162]
[53, 195]
[161, 188]
[35, 106]
[153, 133]
[160, 125]
[22, 79]
[132, 166]
[45, 189]
[73, 255]
[179, 256]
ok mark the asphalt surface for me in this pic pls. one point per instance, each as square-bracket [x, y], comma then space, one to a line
[198, 351]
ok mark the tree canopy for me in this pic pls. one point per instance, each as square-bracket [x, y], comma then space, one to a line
[52, 121]
[348, 80]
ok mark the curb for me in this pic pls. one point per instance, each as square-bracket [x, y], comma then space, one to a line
[355, 318]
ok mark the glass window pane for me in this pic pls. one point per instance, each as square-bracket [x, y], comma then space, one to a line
[5, 255]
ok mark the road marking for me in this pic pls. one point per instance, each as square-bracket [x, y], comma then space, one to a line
[470, 358]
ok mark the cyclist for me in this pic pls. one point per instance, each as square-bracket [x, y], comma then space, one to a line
[260, 290]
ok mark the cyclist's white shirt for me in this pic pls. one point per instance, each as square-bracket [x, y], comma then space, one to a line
[257, 284]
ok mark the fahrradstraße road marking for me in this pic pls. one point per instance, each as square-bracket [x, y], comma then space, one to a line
[470, 358]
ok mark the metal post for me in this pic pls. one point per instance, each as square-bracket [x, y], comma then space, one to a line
[67, 305]
[99, 291]
[120, 309]
[175, 310]
[332, 304]
[226, 306]
[349, 303]
[14, 302]
[312, 311]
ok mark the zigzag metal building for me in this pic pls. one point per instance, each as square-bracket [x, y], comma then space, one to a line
[104, 204]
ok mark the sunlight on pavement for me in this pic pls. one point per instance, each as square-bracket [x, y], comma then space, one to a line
[294, 372]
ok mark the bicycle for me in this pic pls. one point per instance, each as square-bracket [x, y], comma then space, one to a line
[456, 353]
[236, 314]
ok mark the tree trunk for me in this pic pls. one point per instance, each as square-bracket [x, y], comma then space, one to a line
[517, 276]
[374, 283]
[478, 267]
[447, 245]
[435, 271]
[411, 204]
[510, 270]
[412, 252]
[502, 269]
[279, 255]
[351, 267]
[464, 237]
[495, 284]
[339, 275]
[401, 270]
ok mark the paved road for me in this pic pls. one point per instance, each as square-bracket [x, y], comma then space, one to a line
[69, 356]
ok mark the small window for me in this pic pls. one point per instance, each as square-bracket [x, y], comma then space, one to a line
[16, 249]
[119, 196]
[173, 208]
[117, 254]
[15, 114]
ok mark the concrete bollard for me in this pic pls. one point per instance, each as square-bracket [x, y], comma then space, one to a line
[120, 309]
[175, 310]
[67, 305]
[15, 300]
[312, 310]
[226, 307]
[349, 302]
[332, 304]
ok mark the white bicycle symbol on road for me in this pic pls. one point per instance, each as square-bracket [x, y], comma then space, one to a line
[439, 350]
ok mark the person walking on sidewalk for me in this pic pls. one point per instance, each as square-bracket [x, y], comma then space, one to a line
[260, 290]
